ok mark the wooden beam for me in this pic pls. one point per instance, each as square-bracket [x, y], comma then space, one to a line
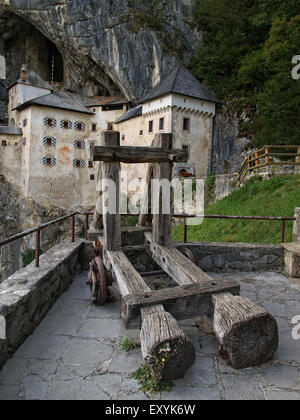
[161, 226]
[128, 154]
[111, 172]
[183, 302]
[174, 263]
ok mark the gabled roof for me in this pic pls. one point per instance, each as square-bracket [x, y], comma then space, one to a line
[33, 79]
[8, 130]
[182, 82]
[61, 100]
[106, 100]
[131, 113]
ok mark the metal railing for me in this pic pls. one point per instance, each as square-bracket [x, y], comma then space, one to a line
[266, 157]
[283, 221]
[37, 230]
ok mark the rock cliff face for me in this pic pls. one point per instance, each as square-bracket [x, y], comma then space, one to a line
[114, 45]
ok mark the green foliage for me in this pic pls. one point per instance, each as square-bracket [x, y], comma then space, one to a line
[149, 376]
[211, 181]
[277, 196]
[127, 344]
[246, 58]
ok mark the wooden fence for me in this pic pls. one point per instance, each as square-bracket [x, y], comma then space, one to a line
[269, 156]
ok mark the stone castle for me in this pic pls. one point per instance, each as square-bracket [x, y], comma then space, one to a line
[45, 148]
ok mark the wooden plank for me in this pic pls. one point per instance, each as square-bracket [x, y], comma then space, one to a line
[292, 247]
[176, 265]
[128, 279]
[183, 302]
[111, 171]
[128, 154]
[161, 225]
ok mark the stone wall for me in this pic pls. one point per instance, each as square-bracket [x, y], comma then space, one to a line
[230, 257]
[27, 295]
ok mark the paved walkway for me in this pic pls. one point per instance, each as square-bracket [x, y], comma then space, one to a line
[75, 353]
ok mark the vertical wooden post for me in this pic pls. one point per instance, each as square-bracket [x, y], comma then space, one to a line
[298, 157]
[283, 232]
[111, 172]
[161, 226]
[256, 161]
[267, 151]
[37, 247]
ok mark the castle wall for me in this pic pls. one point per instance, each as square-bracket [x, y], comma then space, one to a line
[61, 184]
[10, 157]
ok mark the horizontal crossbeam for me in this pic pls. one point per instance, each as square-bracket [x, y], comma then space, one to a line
[128, 154]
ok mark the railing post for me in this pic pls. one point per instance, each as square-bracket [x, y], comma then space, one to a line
[298, 157]
[73, 228]
[86, 228]
[267, 151]
[257, 160]
[296, 229]
[185, 230]
[283, 231]
[37, 247]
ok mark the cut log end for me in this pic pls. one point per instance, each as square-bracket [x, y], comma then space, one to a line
[247, 334]
[164, 343]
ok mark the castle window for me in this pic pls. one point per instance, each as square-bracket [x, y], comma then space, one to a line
[49, 141]
[4, 143]
[79, 144]
[150, 126]
[141, 132]
[109, 126]
[67, 125]
[50, 122]
[49, 161]
[92, 177]
[94, 127]
[161, 123]
[25, 122]
[186, 124]
[79, 126]
[78, 163]
[123, 137]
[90, 164]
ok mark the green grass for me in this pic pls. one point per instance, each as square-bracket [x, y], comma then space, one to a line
[277, 196]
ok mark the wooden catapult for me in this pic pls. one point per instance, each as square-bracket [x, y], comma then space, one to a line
[247, 334]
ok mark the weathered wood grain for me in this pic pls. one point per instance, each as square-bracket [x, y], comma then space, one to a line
[111, 220]
[163, 342]
[128, 154]
[161, 224]
[247, 334]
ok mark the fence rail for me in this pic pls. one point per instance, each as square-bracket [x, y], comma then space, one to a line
[266, 157]
[37, 230]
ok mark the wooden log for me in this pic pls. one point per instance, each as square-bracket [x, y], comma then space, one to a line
[129, 154]
[111, 219]
[160, 334]
[164, 344]
[247, 334]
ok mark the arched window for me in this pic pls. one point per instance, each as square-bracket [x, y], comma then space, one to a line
[12, 123]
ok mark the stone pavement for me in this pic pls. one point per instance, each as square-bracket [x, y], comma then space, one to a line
[75, 353]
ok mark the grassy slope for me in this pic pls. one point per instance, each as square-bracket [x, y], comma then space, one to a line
[277, 196]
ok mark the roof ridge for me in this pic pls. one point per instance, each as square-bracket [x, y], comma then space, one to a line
[178, 68]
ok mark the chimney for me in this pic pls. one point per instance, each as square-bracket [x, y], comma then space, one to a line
[23, 74]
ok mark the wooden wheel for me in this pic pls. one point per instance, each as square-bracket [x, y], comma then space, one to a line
[189, 254]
